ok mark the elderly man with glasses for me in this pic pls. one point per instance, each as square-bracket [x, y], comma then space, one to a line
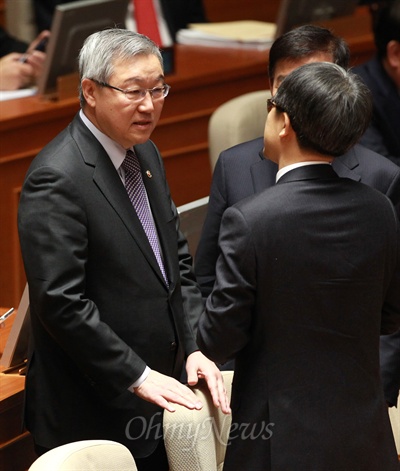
[114, 303]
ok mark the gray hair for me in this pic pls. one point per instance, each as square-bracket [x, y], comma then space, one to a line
[101, 50]
[329, 108]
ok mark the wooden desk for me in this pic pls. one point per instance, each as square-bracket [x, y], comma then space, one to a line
[16, 445]
[204, 79]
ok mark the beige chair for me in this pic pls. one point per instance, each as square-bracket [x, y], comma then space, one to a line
[394, 414]
[86, 455]
[191, 216]
[196, 440]
[238, 120]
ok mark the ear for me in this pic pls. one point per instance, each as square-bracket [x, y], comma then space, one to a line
[393, 54]
[286, 128]
[89, 91]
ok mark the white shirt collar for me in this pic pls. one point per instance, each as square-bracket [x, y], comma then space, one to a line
[286, 169]
[114, 150]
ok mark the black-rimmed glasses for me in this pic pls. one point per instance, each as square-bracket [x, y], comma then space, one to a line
[138, 94]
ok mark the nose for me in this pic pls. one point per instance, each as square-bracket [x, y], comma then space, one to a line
[147, 102]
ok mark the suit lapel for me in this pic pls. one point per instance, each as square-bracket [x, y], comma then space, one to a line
[346, 165]
[109, 183]
[263, 174]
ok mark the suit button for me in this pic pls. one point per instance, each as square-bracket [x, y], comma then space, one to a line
[172, 346]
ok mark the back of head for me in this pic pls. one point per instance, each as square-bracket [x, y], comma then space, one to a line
[101, 50]
[306, 41]
[386, 25]
[329, 108]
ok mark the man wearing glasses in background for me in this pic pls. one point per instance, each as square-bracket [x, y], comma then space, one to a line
[114, 303]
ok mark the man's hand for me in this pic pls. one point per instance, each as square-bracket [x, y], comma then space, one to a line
[199, 366]
[165, 391]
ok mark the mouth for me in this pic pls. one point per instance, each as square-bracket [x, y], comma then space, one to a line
[143, 123]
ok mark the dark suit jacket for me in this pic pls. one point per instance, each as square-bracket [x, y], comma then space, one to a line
[177, 13]
[9, 44]
[383, 134]
[100, 310]
[242, 171]
[302, 279]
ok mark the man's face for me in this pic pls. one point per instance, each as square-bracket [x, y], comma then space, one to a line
[112, 112]
[284, 67]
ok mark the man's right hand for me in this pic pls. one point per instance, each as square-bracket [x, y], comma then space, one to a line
[166, 391]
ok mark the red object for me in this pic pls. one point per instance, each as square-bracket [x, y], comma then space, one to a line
[146, 19]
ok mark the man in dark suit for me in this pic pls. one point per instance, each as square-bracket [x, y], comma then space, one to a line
[306, 281]
[114, 303]
[382, 76]
[242, 170]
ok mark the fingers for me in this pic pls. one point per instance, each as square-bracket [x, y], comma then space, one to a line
[199, 366]
[44, 34]
[218, 392]
[13, 73]
[192, 377]
[166, 391]
[36, 61]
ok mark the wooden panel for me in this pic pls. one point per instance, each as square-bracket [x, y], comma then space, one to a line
[16, 445]
[17, 454]
[2, 14]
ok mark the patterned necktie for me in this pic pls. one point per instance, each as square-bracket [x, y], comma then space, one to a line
[137, 194]
[146, 19]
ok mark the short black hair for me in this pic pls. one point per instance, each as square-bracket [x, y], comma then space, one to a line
[386, 25]
[329, 107]
[306, 41]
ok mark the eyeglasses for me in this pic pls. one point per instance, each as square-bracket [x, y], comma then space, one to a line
[270, 104]
[138, 94]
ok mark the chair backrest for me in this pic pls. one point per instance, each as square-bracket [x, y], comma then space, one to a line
[394, 414]
[196, 439]
[191, 216]
[88, 455]
[237, 120]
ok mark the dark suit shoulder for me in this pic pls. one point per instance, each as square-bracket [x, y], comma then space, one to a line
[372, 169]
[242, 171]
[245, 153]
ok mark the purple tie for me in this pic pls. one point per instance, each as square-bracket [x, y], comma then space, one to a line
[137, 194]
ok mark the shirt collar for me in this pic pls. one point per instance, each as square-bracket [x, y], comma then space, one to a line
[286, 169]
[114, 150]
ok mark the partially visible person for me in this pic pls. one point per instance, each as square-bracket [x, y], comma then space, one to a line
[177, 13]
[382, 76]
[20, 64]
[10, 44]
[305, 283]
[114, 303]
[242, 171]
